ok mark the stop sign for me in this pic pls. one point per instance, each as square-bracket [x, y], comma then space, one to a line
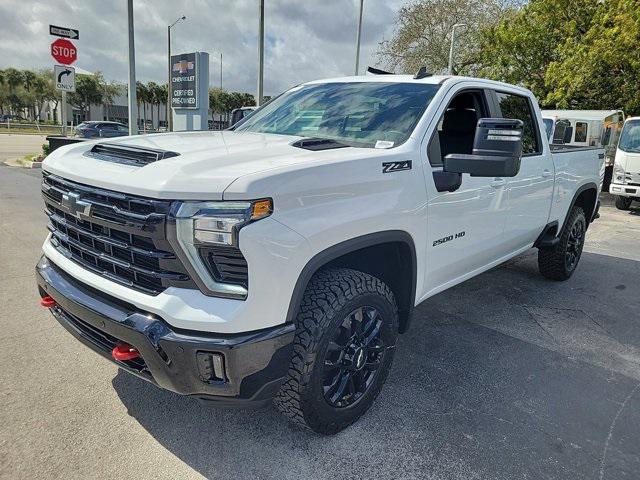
[64, 51]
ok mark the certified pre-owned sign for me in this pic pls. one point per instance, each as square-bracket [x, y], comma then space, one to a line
[184, 81]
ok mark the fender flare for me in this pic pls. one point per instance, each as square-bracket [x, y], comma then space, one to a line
[325, 256]
[579, 191]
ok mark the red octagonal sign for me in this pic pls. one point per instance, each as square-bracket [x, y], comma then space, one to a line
[64, 51]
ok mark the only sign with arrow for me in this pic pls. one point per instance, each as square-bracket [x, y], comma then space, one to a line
[64, 78]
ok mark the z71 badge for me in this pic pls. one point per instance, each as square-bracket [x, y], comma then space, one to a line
[390, 167]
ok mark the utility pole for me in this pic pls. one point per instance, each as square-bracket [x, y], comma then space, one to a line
[133, 114]
[453, 39]
[260, 55]
[220, 70]
[358, 38]
[169, 117]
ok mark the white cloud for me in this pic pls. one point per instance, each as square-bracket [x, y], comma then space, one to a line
[305, 40]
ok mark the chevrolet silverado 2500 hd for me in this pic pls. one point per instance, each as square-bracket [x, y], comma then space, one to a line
[282, 258]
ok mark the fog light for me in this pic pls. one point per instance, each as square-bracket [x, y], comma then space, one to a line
[211, 367]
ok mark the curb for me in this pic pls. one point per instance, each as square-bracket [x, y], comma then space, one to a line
[20, 163]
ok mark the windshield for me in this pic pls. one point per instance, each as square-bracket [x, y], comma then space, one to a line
[355, 113]
[548, 125]
[630, 138]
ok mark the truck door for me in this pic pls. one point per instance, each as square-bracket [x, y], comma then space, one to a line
[465, 226]
[531, 191]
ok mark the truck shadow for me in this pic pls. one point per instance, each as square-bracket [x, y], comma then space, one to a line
[495, 358]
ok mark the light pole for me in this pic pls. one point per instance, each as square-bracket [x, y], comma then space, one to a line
[260, 54]
[169, 119]
[220, 69]
[453, 39]
[133, 110]
[358, 37]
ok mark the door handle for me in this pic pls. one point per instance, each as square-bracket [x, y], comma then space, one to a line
[546, 173]
[498, 182]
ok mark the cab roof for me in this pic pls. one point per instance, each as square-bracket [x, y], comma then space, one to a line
[431, 80]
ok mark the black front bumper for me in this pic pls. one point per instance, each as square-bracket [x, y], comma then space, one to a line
[254, 363]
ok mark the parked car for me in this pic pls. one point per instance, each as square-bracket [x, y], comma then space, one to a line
[101, 129]
[625, 184]
[280, 260]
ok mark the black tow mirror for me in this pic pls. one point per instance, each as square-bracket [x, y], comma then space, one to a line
[497, 150]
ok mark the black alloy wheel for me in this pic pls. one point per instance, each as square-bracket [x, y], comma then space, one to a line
[575, 243]
[353, 357]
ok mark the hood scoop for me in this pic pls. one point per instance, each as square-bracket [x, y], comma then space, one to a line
[128, 154]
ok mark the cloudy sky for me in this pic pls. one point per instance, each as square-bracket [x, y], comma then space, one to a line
[304, 39]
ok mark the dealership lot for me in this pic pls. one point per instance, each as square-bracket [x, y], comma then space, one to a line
[506, 376]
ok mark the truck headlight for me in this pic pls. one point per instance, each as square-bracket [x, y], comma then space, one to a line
[201, 226]
[618, 173]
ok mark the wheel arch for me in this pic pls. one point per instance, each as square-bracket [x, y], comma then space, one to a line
[389, 255]
[586, 197]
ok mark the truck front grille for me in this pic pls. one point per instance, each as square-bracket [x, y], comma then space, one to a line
[118, 236]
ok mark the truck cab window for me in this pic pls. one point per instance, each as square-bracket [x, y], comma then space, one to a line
[581, 132]
[457, 127]
[519, 107]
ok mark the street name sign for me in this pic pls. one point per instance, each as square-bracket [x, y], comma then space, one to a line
[63, 51]
[65, 78]
[64, 32]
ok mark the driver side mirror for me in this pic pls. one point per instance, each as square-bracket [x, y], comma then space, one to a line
[497, 150]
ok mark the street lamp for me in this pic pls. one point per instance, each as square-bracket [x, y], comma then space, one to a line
[260, 53]
[220, 68]
[453, 39]
[358, 37]
[169, 119]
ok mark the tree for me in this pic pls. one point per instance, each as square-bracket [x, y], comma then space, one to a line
[110, 90]
[521, 46]
[601, 69]
[157, 95]
[142, 96]
[88, 92]
[570, 53]
[14, 81]
[44, 91]
[422, 35]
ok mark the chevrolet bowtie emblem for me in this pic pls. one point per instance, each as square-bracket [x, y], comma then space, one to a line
[75, 206]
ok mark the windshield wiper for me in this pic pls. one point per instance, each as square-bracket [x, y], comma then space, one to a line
[317, 143]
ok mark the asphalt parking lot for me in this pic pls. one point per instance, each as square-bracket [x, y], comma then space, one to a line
[505, 376]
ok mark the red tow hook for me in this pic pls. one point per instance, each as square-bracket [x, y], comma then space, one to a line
[47, 302]
[123, 352]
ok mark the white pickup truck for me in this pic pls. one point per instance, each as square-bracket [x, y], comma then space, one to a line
[282, 258]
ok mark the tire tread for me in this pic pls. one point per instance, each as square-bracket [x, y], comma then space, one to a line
[328, 291]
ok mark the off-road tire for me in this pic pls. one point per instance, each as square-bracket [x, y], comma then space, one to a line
[329, 298]
[623, 203]
[552, 262]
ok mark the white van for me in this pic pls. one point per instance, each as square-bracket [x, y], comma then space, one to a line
[625, 183]
[582, 128]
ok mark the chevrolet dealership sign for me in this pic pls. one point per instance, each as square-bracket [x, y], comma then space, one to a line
[184, 80]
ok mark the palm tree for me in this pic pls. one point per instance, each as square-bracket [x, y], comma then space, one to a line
[142, 95]
[13, 79]
[163, 93]
[29, 80]
[154, 89]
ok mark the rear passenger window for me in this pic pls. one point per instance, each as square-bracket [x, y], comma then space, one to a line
[518, 107]
[581, 132]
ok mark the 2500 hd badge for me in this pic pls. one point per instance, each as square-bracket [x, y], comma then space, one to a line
[448, 238]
